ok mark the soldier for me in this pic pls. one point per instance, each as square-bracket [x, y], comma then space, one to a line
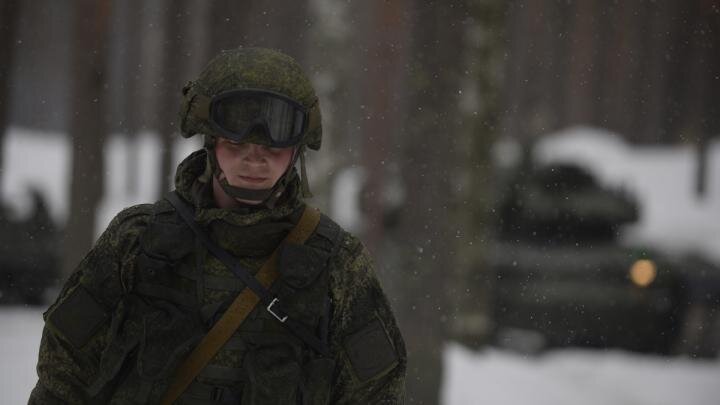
[229, 290]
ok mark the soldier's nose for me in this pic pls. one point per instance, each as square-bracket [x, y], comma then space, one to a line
[256, 151]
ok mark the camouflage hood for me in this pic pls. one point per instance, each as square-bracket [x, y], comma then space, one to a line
[190, 186]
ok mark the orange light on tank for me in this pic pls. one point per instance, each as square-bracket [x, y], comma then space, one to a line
[643, 272]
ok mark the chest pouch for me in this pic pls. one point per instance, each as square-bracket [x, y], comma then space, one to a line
[273, 375]
[170, 325]
[163, 267]
[156, 324]
[168, 335]
[303, 283]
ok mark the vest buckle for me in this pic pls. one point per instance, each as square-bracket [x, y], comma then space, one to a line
[269, 309]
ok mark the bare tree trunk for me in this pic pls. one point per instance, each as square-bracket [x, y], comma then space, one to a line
[334, 52]
[470, 285]
[133, 104]
[9, 10]
[656, 91]
[582, 74]
[693, 93]
[708, 120]
[274, 24]
[514, 96]
[87, 127]
[430, 169]
[388, 36]
[622, 68]
[169, 88]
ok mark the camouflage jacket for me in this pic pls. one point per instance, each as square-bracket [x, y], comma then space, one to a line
[148, 291]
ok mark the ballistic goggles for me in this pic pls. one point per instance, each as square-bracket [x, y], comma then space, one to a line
[237, 114]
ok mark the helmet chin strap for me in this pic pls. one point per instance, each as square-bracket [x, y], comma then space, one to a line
[267, 196]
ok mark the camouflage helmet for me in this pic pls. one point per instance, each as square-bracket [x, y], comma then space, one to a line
[249, 68]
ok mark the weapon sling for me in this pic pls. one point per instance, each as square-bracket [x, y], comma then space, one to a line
[244, 303]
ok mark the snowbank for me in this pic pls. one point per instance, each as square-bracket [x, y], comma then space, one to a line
[576, 377]
[672, 216]
[19, 343]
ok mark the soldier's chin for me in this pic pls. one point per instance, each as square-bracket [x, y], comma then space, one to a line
[251, 184]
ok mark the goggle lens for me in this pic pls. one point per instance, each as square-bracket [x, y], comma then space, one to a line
[236, 114]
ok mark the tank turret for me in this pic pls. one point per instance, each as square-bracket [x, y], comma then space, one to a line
[563, 203]
[28, 255]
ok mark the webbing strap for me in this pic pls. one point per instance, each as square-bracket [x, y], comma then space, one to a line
[242, 305]
[187, 214]
[272, 303]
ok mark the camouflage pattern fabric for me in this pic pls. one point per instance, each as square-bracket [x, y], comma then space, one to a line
[250, 68]
[148, 291]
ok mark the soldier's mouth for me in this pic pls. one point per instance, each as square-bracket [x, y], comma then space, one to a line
[251, 179]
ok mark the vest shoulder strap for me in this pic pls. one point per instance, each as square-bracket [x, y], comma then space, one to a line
[242, 305]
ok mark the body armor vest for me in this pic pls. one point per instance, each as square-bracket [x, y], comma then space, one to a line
[176, 293]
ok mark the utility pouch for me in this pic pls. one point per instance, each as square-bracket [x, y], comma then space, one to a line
[371, 351]
[273, 375]
[317, 380]
[123, 339]
[168, 336]
[78, 317]
[147, 341]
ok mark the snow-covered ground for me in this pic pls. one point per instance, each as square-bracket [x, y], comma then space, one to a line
[488, 377]
[577, 377]
[19, 343]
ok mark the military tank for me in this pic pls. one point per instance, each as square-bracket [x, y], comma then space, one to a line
[28, 255]
[559, 277]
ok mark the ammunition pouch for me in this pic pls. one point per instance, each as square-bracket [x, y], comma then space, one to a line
[158, 323]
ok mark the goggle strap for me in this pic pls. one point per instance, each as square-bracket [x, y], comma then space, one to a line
[313, 116]
[276, 192]
[284, 180]
[303, 174]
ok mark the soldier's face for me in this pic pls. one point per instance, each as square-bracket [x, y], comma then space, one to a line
[250, 165]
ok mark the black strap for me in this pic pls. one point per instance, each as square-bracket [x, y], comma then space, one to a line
[243, 274]
[268, 300]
